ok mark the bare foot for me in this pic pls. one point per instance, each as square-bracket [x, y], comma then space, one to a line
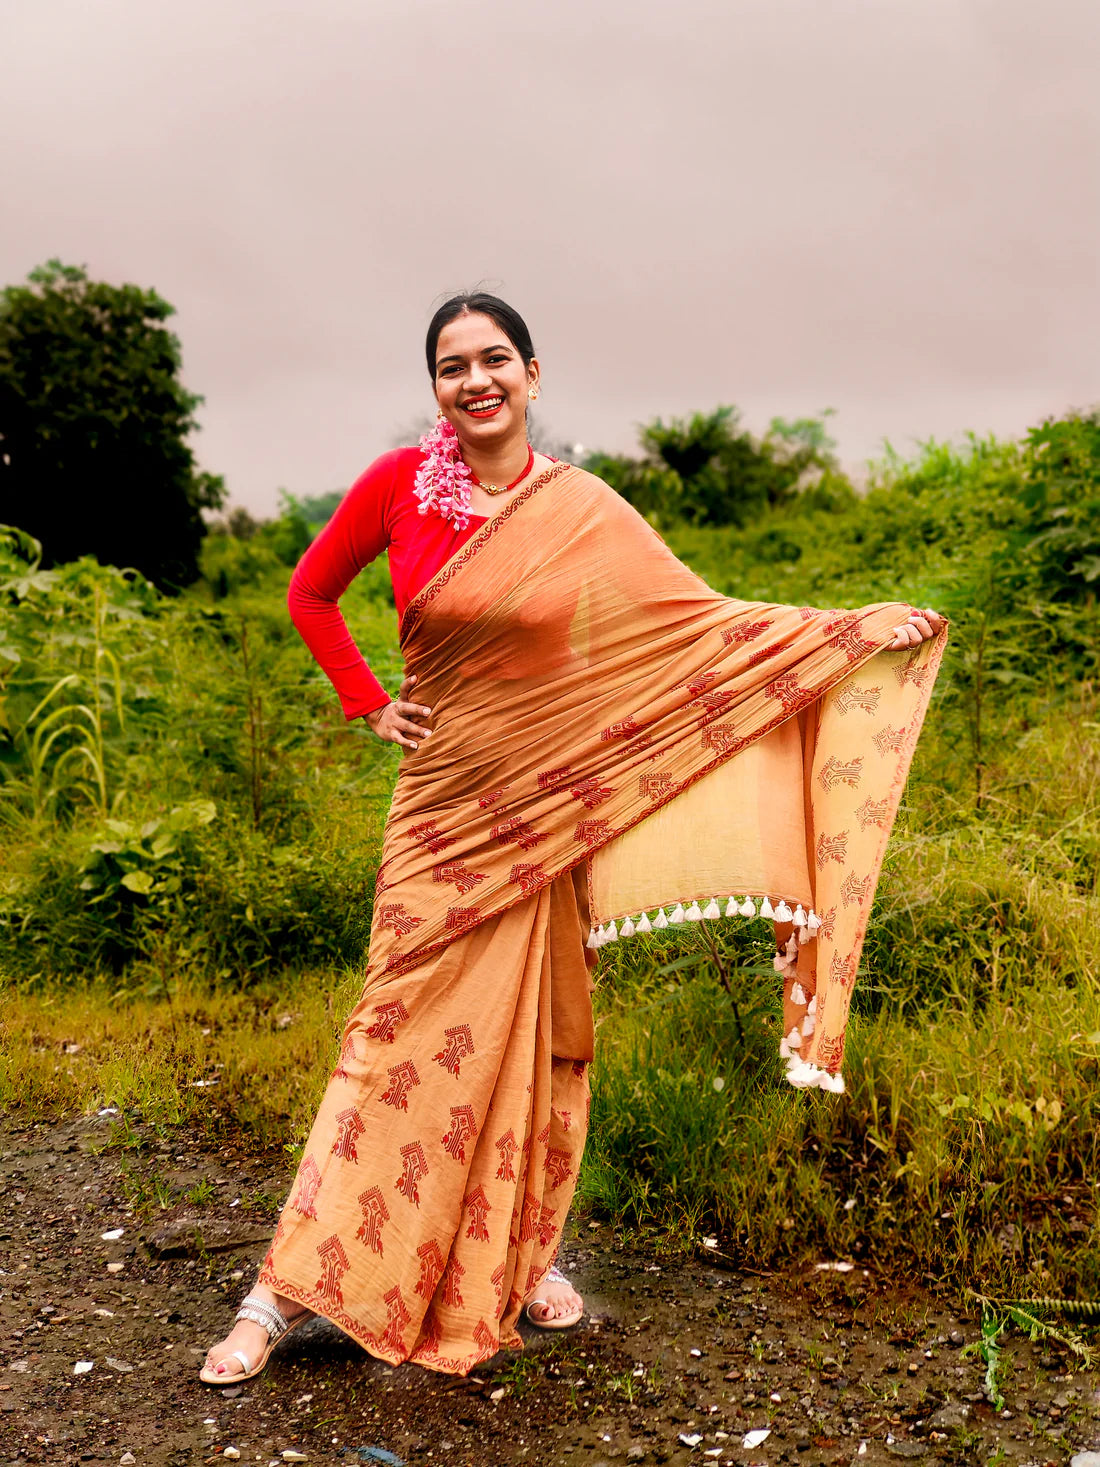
[557, 1298]
[250, 1338]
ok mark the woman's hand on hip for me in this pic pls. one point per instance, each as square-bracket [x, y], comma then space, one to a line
[397, 722]
[920, 626]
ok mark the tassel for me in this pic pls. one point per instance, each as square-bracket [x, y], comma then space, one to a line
[813, 921]
[809, 1024]
[798, 994]
[732, 907]
[805, 935]
[660, 921]
[643, 924]
[766, 910]
[803, 1075]
[833, 1084]
[813, 1005]
[627, 929]
[694, 913]
[712, 909]
[612, 933]
[794, 1038]
[799, 918]
[783, 913]
[747, 907]
[593, 940]
[676, 916]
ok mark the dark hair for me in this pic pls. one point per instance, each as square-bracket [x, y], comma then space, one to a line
[478, 302]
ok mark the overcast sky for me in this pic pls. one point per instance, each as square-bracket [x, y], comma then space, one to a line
[887, 207]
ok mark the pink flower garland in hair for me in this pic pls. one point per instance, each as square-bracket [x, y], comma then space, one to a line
[442, 481]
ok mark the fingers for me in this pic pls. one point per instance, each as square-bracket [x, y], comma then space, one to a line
[905, 636]
[413, 711]
[920, 626]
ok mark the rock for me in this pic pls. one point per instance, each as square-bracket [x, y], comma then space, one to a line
[119, 1365]
[955, 1339]
[233, 1453]
[949, 1416]
[1085, 1459]
[635, 1454]
[185, 1233]
[127, 1460]
[906, 1449]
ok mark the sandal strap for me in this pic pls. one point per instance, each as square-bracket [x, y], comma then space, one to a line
[259, 1311]
[243, 1358]
[555, 1276]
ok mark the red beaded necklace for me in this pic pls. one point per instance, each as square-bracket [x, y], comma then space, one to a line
[504, 488]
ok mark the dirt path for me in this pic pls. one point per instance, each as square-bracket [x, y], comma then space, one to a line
[678, 1361]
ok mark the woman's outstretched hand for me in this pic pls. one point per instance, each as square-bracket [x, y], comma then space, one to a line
[394, 722]
[920, 626]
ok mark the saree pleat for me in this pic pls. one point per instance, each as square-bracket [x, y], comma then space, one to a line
[592, 700]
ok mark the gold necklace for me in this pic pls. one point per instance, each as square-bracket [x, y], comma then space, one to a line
[507, 488]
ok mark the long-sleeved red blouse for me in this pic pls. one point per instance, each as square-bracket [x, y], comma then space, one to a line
[379, 512]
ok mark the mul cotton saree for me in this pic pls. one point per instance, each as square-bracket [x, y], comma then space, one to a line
[615, 747]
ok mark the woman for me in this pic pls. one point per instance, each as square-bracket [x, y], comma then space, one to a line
[590, 733]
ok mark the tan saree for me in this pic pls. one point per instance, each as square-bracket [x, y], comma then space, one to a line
[615, 747]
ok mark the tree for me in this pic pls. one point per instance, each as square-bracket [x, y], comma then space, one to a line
[94, 421]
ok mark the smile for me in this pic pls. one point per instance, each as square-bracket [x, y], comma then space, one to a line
[483, 407]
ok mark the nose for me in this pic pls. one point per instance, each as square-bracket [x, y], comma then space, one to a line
[477, 378]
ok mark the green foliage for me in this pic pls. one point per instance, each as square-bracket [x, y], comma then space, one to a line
[94, 423]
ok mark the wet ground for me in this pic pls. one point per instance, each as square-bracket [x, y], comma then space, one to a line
[680, 1362]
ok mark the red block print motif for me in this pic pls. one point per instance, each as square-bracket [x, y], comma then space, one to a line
[461, 919]
[593, 833]
[848, 639]
[787, 690]
[830, 1050]
[699, 683]
[463, 1129]
[507, 1147]
[375, 1213]
[655, 786]
[550, 777]
[854, 890]
[497, 1281]
[558, 1166]
[458, 874]
[493, 797]
[432, 1335]
[387, 1016]
[548, 1228]
[831, 848]
[828, 922]
[485, 1338]
[380, 882]
[516, 832]
[591, 792]
[347, 1056]
[566, 1118]
[711, 703]
[452, 1276]
[889, 740]
[579, 1067]
[460, 1043]
[397, 1320]
[334, 1264]
[872, 812]
[764, 654]
[722, 737]
[838, 771]
[477, 1204]
[625, 728]
[530, 1219]
[865, 699]
[309, 1179]
[431, 1266]
[911, 671]
[351, 1128]
[394, 915]
[843, 970]
[746, 631]
[528, 876]
[428, 834]
[402, 1079]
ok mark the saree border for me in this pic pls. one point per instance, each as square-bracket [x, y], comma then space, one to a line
[423, 598]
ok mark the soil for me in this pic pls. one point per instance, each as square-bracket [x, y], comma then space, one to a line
[677, 1361]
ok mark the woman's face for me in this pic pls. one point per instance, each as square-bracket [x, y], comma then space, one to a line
[481, 382]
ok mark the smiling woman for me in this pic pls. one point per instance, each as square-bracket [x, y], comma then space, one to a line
[595, 734]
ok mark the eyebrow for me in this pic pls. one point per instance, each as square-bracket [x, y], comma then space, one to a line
[485, 350]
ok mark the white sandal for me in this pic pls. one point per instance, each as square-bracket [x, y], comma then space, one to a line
[564, 1321]
[258, 1311]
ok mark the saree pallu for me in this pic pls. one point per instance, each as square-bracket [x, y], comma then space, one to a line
[610, 737]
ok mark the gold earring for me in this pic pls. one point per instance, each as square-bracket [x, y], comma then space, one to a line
[533, 393]
[440, 415]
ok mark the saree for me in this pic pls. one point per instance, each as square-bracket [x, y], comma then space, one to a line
[615, 748]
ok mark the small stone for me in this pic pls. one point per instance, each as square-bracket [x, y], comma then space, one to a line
[955, 1339]
[635, 1454]
[1085, 1459]
[497, 1395]
[906, 1449]
[82, 1367]
[949, 1416]
[19, 1365]
[690, 1439]
[127, 1460]
[119, 1365]
[115, 1267]
[912, 1368]
[233, 1453]
[292, 1456]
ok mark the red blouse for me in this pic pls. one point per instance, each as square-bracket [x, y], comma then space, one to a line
[379, 512]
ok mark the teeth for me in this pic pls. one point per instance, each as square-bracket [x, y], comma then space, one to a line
[483, 404]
